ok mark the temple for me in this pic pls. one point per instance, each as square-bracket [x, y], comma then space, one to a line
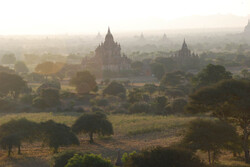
[247, 28]
[108, 56]
[186, 59]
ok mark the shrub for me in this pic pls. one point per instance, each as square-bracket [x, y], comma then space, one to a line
[139, 107]
[26, 99]
[49, 84]
[114, 88]
[178, 105]
[162, 157]
[88, 160]
[61, 159]
[38, 102]
[6, 105]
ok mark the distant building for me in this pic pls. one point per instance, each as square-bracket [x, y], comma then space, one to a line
[247, 28]
[108, 56]
[185, 59]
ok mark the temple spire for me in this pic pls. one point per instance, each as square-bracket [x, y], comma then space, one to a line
[109, 30]
[184, 45]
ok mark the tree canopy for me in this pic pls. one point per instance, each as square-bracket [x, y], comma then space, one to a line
[162, 157]
[11, 84]
[211, 74]
[21, 67]
[228, 100]
[210, 136]
[84, 82]
[14, 132]
[55, 135]
[91, 123]
[114, 88]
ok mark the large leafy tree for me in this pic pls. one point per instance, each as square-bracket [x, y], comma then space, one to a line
[228, 100]
[211, 74]
[84, 82]
[210, 136]
[55, 135]
[91, 123]
[49, 68]
[11, 84]
[14, 132]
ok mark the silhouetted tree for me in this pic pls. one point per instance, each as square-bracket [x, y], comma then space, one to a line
[14, 132]
[91, 123]
[55, 135]
[11, 84]
[210, 136]
[229, 101]
[211, 74]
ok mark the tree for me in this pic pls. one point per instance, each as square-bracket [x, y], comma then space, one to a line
[211, 74]
[49, 84]
[158, 70]
[150, 88]
[135, 95]
[210, 136]
[11, 84]
[173, 78]
[88, 160]
[114, 88]
[49, 68]
[91, 123]
[14, 132]
[8, 59]
[50, 96]
[160, 103]
[55, 135]
[228, 100]
[162, 157]
[84, 82]
[21, 67]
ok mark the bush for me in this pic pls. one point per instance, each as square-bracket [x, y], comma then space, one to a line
[38, 102]
[120, 111]
[88, 160]
[50, 96]
[61, 159]
[140, 107]
[49, 84]
[178, 105]
[26, 99]
[162, 157]
[6, 105]
[114, 88]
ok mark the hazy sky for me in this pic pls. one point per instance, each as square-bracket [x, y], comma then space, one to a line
[81, 16]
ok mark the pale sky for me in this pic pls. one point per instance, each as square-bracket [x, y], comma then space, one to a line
[82, 16]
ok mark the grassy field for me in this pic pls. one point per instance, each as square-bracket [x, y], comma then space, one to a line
[132, 132]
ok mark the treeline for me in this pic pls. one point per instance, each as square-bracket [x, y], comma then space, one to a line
[54, 135]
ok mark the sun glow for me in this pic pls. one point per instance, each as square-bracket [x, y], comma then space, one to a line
[79, 16]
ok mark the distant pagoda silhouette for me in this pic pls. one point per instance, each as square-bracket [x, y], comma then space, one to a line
[247, 28]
